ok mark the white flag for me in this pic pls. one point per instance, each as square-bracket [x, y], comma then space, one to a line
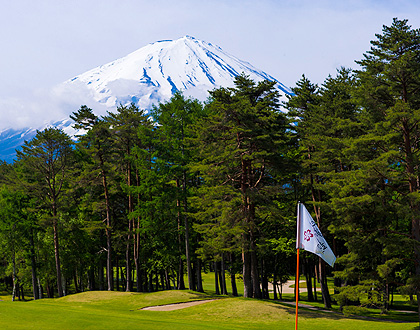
[309, 237]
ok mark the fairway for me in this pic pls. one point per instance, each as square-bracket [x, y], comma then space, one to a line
[121, 310]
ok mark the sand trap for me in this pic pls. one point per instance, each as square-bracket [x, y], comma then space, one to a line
[172, 307]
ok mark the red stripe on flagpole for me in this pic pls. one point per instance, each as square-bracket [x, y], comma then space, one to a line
[297, 289]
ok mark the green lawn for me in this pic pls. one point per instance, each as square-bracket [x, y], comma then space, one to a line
[120, 310]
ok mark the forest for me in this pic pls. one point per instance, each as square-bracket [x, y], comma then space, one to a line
[145, 201]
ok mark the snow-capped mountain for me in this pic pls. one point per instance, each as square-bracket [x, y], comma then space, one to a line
[147, 76]
[153, 73]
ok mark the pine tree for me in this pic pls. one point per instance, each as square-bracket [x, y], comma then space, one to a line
[242, 145]
[389, 85]
[47, 159]
[325, 121]
[124, 124]
[98, 145]
[175, 119]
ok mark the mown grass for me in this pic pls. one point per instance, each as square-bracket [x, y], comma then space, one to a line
[401, 308]
[121, 310]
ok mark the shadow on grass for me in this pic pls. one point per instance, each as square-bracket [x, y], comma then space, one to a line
[317, 312]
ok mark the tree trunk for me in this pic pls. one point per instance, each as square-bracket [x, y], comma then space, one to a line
[129, 282]
[40, 291]
[117, 264]
[33, 267]
[216, 278]
[281, 292]
[129, 285]
[264, 281]
[308, 276]
[109, 267]
[187, 234]
[64, 281]
[246, 239]
[223, 276]
[181, 284]
[167, 280]
[199, 278]
[274, 289]
[246, 274]
[57, 251]
[81, 283]
[101, 276]
[233, 284]
[136, 246]
[50, 292]
[76, 288]
[233, 277]
[275, 277]
[139, 287]
[315, 280]
[150, 282]
[324, 286]
[14, 276]
[413, 188]
[254, 273]
[22, 292]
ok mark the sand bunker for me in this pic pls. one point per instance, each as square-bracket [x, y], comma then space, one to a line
[172, 307]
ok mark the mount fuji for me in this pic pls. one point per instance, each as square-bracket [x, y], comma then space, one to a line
[152, 74]
[147, 76]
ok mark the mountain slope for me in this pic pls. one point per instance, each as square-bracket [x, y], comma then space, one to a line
[11, 139]
[153, 73]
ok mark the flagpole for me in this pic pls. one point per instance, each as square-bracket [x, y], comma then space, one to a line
[297, 289]
[312, 240]
[297, 264]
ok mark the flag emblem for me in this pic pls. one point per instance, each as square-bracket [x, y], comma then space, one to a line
[308, 235]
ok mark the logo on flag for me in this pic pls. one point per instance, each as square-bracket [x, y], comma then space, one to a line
[309, 237]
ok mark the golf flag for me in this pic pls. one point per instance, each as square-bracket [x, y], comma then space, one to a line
[309, 237]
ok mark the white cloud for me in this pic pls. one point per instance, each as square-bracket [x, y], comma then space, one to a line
[44, 106]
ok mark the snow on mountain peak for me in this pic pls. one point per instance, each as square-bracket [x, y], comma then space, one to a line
[153, 73]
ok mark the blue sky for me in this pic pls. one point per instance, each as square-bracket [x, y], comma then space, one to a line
[45, 42]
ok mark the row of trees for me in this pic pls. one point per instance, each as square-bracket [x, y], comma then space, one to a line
[360, 132]
[149, 199]
[144, 198]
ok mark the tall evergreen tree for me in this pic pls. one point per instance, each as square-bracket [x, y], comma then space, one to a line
[124, 124]
[46, 160]
[242, 144]
[175, 119]
[325, 120]
[389, 85]
[98, 144]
